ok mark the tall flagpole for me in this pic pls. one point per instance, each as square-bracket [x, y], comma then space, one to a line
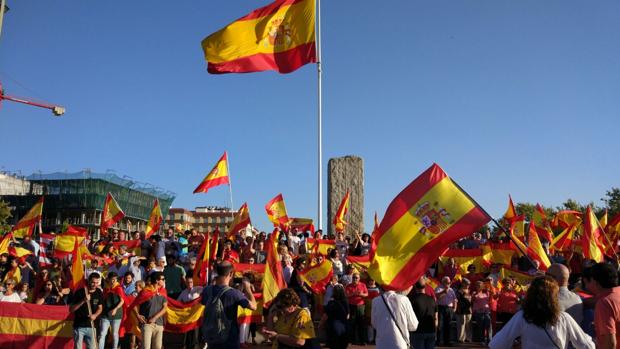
[232, 205]
[320, 115]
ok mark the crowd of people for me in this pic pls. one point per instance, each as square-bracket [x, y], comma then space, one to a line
[570, 302]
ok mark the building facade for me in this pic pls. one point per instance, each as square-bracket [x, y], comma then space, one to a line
[203, 219]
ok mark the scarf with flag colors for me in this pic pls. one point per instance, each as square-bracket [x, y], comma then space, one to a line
[217, 176]
[155, 220]
[279, 36]
[24, 325]
[112, 213]
[273, 280]
[26, 224]
[240, 221]
[276, 212]
[343, 208]
[420, 223]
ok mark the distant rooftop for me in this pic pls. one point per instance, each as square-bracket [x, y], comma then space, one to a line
[125, 181]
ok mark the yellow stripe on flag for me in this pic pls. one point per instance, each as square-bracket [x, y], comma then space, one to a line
[36, 327]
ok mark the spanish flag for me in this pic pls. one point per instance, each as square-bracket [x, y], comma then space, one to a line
[279, 36]
[566, 218]
[217, 176]
[24, 325]
[182, 317]
[320, 246]
[541, 224]
[421, 222]
[65, 242]
[359, 262]
[511, 212]
[112, 213]
[273, 281]
[25, 226]
[5, 243]
[517, 227]
[302, 224]
[249, 316]
[154, 220]
[202, 263]
[498, 253]
[276, 211]
[339, 221]
[240, 221]
[463, 258]
[564, 240]
[77, 269]
[592, 235]
[318, 276]
[536, 250]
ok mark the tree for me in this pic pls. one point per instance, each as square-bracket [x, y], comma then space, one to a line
[572, 205]
[5, 214]
[612, 201]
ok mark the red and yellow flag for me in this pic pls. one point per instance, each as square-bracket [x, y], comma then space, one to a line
[539, 218]
[154, 220]
[240, 221]
[77, 268]
[535, 249]
[564, 240]
[339, 221]
[566, 218]
[273, 281]
[603, 221]
[279, 36]
[202, 263]
[591, 241]
[318, 276]
[359, 262]
[112, 213]
[320, 246]
[65, 242]
[498, 253]
[276, 211]
[27, 325]
[25, 226]
[428, 215]
[182, 317]
[517, 227]
[302, 224]
[249, 316]
[217, 176]
[5, 243]
[511, 212]
[463, 258]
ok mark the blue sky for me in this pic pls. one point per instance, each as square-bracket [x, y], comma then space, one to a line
[519, 97]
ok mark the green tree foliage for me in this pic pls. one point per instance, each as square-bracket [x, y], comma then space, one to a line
[5, 214]
[612, 202]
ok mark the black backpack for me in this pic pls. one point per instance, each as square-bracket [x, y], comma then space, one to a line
[216, 326]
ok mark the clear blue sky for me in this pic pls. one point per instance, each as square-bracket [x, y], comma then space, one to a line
[519, 97]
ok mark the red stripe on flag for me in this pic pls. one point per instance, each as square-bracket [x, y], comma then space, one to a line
[427, 255]
[282, 62]
[21, 341]
[35, 311]
[268, 10]
[211, 183]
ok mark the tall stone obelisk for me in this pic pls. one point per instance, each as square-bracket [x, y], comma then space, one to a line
[346, 173]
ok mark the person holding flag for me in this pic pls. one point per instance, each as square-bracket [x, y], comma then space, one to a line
[87, 305]
[114, 298]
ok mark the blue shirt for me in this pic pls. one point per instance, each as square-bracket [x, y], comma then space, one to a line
[231, 300]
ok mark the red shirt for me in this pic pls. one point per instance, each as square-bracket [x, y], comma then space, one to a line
[507, 302]
[359, 288]
[607, 314]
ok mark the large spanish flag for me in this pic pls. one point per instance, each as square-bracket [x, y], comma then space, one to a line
[154, 220]
[25, 226]
[591, 240]
[428, 215]
[273, 281]
[279, 36]
[240, 221]
[112, 213]
[276, 211]
[24, 325]
[339, 222]
[217, 176]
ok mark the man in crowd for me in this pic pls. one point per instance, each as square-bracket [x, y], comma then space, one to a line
[446, 301]
[175, 275]
[569, 301]
[85, 316]
[150, 307]
[425, 308]
[393, 318]
[602, 280]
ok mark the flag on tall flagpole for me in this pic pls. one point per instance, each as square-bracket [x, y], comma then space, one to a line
[112, 213]
[339, 222]
[240, 221]
[217, 176]
[155, 220]
[279, 36]
[276, 212]
[421, 222]
[26, 224]
[591, 240]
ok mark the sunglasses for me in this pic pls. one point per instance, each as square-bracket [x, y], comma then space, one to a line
[162, 279]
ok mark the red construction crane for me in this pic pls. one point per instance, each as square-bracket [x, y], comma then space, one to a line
[57, 110]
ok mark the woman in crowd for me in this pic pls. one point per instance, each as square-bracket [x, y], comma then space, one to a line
[334, 319]
[463, 312]
[481, 309]
[10, 295]
[288, 325]
[356, 292]
[298, 285]
[507, 303]
[24, 293]
[48, 295]
[540, 323]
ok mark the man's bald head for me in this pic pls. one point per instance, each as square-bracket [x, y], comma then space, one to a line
[560, 273]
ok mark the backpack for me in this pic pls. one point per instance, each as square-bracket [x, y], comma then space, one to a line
[216, 326]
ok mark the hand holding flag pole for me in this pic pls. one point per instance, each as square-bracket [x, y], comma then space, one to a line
[90, 311]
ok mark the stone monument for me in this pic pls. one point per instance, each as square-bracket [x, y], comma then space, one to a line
[346, 173]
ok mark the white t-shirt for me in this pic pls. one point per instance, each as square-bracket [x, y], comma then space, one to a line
[388, 333]
[13, 298]
[293, 244]
[534, 337]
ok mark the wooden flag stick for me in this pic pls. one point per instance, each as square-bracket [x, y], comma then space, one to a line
[90, 312]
